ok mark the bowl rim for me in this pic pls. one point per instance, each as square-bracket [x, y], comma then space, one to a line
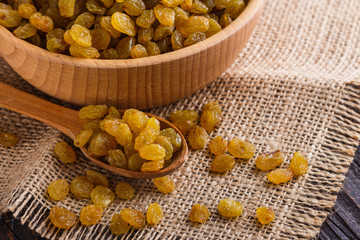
[253, 7]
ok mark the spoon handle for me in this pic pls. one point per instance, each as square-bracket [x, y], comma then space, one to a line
[64, 119]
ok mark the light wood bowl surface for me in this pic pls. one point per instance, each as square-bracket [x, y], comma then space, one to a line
[138, 83]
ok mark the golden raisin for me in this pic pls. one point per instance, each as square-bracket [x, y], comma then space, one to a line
[100, 38]
[146, 19]
[91, 214]
[83, 137]
[25, 31]
[26, 10]
[135, 162]
[118, 225]
[152, 166]
[134, 7]
[123, 23]
[222, 163]
[101, 143]
[102, 196]
[217, 145]
[241, 149]
[199, 213]
[138, 51]
[8, 139]
[299, 163]
[265, 215]
[279, 176]
[164, 184]
[175, 137]
[124, 190]
[62, 218]
[133, 217]
[148, 134]
[153, 152]
[80, 186]
[123, 135]
[97, 178]
[83, 52]
[198, 137]
[117, 158]
[58, 189]
[9, 18]
[42, 22]
[193, 24]
[165, 142]
[269, 160]
[64, 152]
[154, 214]
[229, 208]
[185, 120]
[66, 7]
[93, 111]
[136, 119]
[81, 35]
[165, 15]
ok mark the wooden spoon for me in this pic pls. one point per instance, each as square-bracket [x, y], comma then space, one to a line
[67, 121]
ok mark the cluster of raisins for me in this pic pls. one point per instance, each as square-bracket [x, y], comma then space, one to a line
[269, 161]
[186, 121]
[118, 29]
[96, 186]
[8, 139]
[132, 141]
[229, 208]
[197, 137]
[138, 136]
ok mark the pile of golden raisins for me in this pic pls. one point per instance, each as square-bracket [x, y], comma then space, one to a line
[132, 141]
[120, 29]
[95, 186]
[118, 139]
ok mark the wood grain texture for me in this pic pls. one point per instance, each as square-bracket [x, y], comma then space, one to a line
[139, 83]
[67, 121]
[344, 220]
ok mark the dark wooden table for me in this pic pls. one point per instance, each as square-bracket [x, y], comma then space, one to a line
[342, 223]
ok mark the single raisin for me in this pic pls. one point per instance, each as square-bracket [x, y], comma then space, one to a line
[154, 214]
[164, 184]
[199, 213]
[265, 215]
[222, 163]
[80, 186]
[97, 178]
[269, 160]
[241, 149]
[118, 225]
[102, 196]
[62, 218]
[133, 217]
[229, 208]
[58, 189]
[91, 214]
[198, 137]
[117, 158]
[64, 152]
[124, 191]
[299, 163]
[279, 176]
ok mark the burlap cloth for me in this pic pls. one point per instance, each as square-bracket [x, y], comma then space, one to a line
[294, 87]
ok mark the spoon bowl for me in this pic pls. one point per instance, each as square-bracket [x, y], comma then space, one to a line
[67, 121]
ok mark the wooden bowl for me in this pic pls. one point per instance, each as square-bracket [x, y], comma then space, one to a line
[139, 83]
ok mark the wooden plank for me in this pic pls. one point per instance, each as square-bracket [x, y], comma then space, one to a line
[19, 231]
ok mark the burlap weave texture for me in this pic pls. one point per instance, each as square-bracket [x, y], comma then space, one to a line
[289, 89]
